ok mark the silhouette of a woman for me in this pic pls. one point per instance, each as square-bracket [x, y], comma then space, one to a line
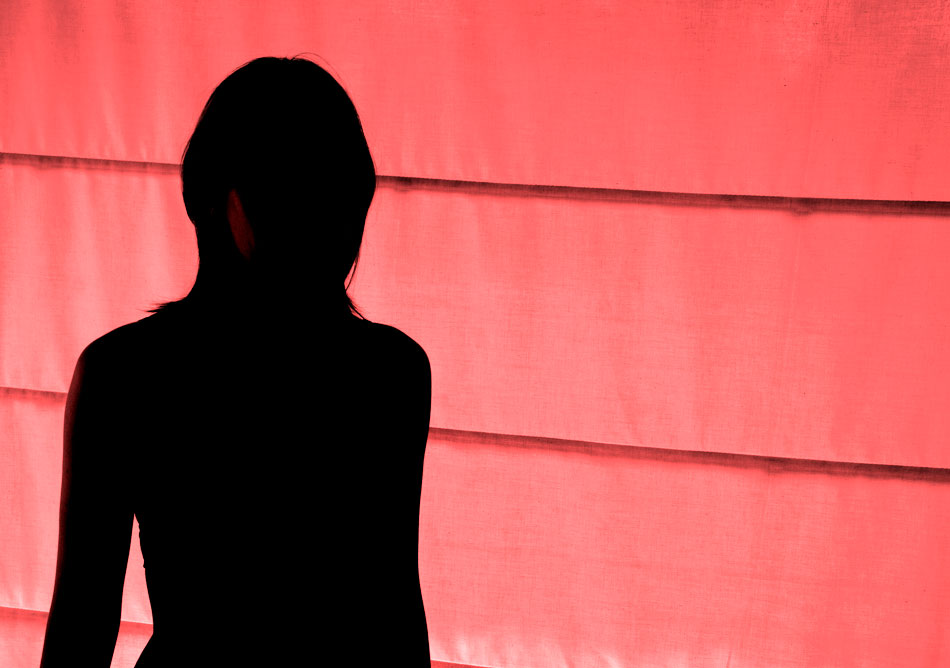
[268, 439]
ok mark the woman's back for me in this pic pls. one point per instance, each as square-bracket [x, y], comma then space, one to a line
[275, 471]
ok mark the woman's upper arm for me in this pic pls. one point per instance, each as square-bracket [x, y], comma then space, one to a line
[95, 519]
[421, 379]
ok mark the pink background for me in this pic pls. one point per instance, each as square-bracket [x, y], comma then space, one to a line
[680, 269]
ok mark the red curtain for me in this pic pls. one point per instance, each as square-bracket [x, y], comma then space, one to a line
[680, 271]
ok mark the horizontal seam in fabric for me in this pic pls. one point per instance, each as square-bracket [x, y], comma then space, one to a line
[793, 204]
[51, 394]
[773, 462]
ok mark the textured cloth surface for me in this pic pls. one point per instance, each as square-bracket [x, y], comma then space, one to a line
[680, 417]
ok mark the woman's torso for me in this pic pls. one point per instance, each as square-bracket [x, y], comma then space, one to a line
[275, 487]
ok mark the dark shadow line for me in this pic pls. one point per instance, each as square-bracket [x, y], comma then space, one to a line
[6, 610]
[93, 164]
[771, 464]
[30, 392]
[796, 205]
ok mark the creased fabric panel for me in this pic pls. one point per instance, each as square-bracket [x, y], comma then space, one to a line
[86, 248]
[30, 477]
[587, 556]
[808, 99]
[755, 331]
[30, 480]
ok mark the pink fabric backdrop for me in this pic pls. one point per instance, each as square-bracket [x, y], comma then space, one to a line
[678, 418]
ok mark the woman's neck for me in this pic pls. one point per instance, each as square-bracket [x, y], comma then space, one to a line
[258, 294]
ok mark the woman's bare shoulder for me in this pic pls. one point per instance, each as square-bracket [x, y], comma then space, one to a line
[118, 342]
[121, 353]
[167, 335]
[395, 344]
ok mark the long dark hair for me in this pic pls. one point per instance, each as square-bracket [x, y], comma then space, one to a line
[283, 134]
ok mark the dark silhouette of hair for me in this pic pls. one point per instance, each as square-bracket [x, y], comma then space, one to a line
[268, 439]
[285, 136]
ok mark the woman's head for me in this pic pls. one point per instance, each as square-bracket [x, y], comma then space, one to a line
[282, 136]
